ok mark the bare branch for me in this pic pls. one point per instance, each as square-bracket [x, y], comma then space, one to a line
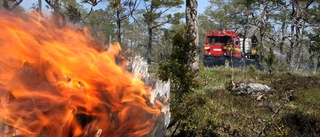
[56, 9]
[284, 101]
[15, 5]
[91, 9]
[7, 7]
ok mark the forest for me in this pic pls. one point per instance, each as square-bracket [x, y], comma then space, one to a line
[290, 29]
[208, 101]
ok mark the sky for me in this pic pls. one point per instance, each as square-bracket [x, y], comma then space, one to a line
[202, 5]
[27, 4]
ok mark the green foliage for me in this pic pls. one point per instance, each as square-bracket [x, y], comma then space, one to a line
[71, 9]
[205, 24]
[222, 13]
[247, 2]
[178, 69]
[270, 58]
[315, 40]
[99, 20]
[214, 111]
[122, 10]
[252, 68]
[156, 15]
[73, 13]
[163, 49]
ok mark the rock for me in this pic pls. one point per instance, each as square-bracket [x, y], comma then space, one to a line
[255, 90]
[260, 97]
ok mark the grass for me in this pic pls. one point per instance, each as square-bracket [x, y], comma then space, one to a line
[218, 112]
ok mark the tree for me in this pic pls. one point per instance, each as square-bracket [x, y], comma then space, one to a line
[7, 7]
[179, 70]
[221, 12]
[17, 10]
[69, 10]
[297, 28]
[123, 9]
[164, 47]
[314, 36]
[282, 19]
[234, 15]
[314, 49]
[99, 22]
[157, 15]
[182, 68]
[205, 24]
[192, 31]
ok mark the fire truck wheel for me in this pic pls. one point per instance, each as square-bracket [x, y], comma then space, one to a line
[207, 63]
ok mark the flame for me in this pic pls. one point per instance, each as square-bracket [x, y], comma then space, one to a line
[53, 83]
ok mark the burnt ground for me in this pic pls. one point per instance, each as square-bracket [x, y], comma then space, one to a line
[215, 111]
[289, 81]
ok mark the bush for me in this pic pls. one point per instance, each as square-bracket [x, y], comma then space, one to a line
[178, 69]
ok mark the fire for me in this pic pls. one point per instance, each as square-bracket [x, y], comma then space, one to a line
[53, 83]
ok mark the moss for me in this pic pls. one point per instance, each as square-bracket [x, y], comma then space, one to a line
[214, 111]
[301, 124]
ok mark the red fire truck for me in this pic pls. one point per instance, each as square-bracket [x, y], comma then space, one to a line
[226, 47]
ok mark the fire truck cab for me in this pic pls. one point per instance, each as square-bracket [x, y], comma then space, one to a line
[222, 47]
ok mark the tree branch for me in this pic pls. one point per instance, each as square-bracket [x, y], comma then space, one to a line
[284, 101]
[7, 7]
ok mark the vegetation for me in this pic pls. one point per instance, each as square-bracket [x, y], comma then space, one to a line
[217, 111]
[178, 70]
[284, 26]
[156, 15]
[289, 28]
[270, 59]
[204, 104]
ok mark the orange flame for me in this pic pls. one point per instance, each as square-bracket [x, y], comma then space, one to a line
[53, 83]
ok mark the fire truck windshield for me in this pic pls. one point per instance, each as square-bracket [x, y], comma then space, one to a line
[214, 39]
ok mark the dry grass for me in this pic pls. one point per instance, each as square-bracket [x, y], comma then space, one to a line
[217, 112]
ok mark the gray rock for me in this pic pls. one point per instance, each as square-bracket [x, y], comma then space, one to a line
[256, 90]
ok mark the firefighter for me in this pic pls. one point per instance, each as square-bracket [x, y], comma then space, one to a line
[230, 46]
[254, 41]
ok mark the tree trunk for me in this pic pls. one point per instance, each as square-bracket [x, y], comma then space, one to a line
[192, 26]
[263, 29]
[40, 7]
[118, 25]
[58, 16]
[317, 65]
[297, 32]
[5, 4]
[149, 43]
[283, 29]
[261, 49]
